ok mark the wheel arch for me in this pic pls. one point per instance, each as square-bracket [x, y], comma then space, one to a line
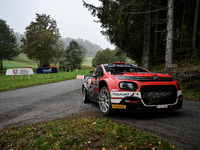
[103, 83]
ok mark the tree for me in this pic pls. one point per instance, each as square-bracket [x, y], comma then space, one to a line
[74, 54]
[59, 52]
[103, 57]
[8, 45]
[146, 47]
[195, 24]
[127, 25]
[138, 28]
[42, 40]
[170, 36]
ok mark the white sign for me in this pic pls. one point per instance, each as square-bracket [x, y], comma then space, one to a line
[21, 71]
[80, 77]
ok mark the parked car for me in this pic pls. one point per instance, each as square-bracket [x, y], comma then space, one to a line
[119, 86]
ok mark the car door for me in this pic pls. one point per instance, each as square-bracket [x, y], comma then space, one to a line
[94, 81]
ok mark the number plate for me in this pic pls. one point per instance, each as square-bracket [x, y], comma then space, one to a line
[161, 106]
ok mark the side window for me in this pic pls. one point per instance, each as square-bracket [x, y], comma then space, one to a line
[99, 72]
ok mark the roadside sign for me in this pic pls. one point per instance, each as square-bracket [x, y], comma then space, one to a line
[47, 70]
[80, 77]
[20, 71]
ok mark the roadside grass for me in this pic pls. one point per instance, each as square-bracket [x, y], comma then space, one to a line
[6, 82]
[79, 133]
[190, 94]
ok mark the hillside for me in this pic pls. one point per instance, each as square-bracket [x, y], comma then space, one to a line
[90, 47]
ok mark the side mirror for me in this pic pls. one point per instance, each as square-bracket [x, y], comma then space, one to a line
[95, 75]
[91, 72]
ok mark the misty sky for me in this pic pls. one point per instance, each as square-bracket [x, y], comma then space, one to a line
[73, 20]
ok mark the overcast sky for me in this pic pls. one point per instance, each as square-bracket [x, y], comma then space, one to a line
[73, 20]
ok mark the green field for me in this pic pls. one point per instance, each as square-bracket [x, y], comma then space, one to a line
[22, 61]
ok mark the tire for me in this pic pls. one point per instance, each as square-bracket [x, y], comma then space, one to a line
[104, 101]
[84, 95]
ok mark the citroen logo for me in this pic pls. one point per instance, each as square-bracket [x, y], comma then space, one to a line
[155, 77]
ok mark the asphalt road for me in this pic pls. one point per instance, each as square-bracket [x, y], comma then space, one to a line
[63, 99]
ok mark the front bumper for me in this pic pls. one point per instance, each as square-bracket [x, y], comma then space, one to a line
[136, 104]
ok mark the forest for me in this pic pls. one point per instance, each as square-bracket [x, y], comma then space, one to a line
[139, 28]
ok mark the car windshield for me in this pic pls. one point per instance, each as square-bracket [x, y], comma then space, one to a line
[121, 69]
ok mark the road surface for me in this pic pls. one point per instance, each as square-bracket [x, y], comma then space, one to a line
[63, 99]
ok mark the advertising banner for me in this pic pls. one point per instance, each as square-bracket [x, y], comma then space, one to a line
[20, 71]
[47, 70]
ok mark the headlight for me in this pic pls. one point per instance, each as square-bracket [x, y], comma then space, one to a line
[128, 86]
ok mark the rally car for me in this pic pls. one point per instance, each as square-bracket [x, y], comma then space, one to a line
[119, 86]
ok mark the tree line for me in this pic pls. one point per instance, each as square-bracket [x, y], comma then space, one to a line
[43, 44]
[90, 47]
[151, 31]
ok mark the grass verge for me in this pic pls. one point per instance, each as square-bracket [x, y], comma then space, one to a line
[79, 133]
[36, 79]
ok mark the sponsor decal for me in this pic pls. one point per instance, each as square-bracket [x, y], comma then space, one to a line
[95, 84]
[131, 101]
[120, 94]
[47, 70]
[23, 72]
[159, 94]
[113, 100]
[136, 91]
[15, 71]
[114, 90]
[118, 106]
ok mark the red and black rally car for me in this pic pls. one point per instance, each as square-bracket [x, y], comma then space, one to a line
[119, 86]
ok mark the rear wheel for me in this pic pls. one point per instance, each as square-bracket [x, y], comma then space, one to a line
[104, 101]
[84, 95]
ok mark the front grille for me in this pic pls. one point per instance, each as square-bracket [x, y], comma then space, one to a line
[155, 95]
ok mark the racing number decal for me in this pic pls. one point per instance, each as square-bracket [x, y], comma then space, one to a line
[95, 84]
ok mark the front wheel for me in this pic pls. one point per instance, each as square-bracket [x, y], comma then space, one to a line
[104, 101]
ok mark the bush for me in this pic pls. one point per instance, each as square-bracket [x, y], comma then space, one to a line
[188, 78]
